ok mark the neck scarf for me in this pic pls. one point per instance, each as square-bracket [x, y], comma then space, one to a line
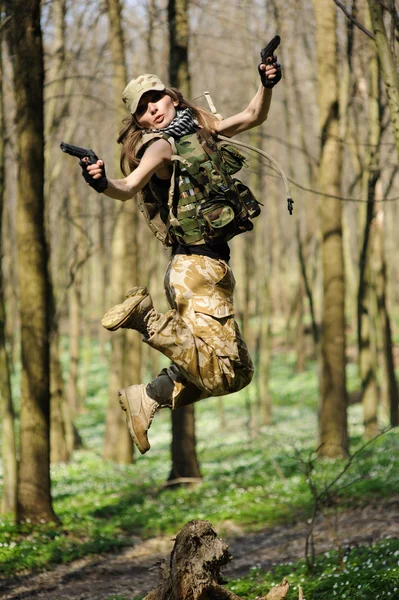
[184, 123]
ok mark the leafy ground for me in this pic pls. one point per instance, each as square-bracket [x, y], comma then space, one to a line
[250, 486]
[359, 574]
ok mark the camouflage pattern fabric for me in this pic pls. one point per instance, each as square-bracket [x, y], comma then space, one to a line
[204, 203]
[199, 333]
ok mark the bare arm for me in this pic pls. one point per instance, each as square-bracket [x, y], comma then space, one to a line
[156, 157]
[255, 113]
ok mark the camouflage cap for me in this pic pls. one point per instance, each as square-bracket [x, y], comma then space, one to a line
[139, 86]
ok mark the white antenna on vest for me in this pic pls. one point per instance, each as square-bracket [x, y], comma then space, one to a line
[212, 107]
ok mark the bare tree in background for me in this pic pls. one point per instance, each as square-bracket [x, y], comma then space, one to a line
[333, 402]
[60, 422]
[389, 69]
[125, 345]
[179, 33]
[184, 456]
[391, 80]
[24, 38]
[371, 174]
[380, 283]
[9, 497]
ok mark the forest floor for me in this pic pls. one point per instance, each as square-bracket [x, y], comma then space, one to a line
[133, 572]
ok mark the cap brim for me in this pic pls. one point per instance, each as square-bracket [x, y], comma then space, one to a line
[158, 88]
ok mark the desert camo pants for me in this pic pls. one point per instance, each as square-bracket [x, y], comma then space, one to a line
[199, 333]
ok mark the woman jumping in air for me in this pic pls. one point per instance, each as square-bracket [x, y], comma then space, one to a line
[172, 156]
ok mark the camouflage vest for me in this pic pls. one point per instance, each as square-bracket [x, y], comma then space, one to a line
[204, 203]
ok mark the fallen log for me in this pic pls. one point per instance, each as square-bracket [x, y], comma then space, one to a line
[194, 569]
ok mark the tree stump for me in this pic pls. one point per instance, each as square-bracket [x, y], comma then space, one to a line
[193, 572]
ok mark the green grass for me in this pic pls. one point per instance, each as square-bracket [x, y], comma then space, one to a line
[360, 574]
[253, 483]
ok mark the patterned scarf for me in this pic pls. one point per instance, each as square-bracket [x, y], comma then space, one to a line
[184, 123]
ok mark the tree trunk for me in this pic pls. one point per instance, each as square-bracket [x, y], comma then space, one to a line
[118, 445]
[347, 95]
[303, 253]
[263, 339]
[262, 303]
[55, 82]
[310, 221]
[391, 401]
[247, 279]
[150, 37]
[389, 69]
[370, 178]
[9, 456]
[300, 363]
[77, 251]
[193, 570]
[279, 304]
[133, 357]
[59, 451]
[185, 465]
[25, 42]
[184, 454]
[285, 58]
[102, 272]
[333, 406]
[179, 73]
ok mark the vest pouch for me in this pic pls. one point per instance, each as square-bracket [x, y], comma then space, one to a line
[216, 218]
[233, 160]
[252, 206]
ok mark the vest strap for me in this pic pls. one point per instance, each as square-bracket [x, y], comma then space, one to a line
[180, 159]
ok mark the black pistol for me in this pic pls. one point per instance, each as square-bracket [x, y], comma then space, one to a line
[80, 153]
[268, 51]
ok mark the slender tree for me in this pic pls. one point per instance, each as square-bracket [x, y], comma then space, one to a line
[151, 12]
[307, 228]
[9, 499]
[391, 79]
[77, 240]
[179, 73]
[263, 307]
[126, 346]
[380, 280]
[184, 456]
[389, 69]
[333, 402]
[24, 38]
[371, 174]
[56, 86]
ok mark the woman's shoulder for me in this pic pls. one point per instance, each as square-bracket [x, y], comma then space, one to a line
[154, 140]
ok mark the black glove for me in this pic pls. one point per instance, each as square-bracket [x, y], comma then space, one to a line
[100, 185]
[270, 83]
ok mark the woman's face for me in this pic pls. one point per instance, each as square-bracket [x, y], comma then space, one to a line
[155, 110]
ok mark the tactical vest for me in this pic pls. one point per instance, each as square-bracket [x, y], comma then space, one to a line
[204, 203]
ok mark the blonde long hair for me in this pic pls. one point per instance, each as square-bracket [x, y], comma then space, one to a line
[131, 133]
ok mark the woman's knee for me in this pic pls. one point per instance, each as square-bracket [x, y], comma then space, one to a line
[239, 378]
[243, 377]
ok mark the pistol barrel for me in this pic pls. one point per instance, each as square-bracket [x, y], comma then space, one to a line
[78, 152]
[269, 49]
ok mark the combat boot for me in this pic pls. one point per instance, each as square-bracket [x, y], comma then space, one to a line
[136, 312]
[140, 410]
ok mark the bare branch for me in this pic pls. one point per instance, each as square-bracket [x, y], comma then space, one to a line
[349, 462]
[352, 18]
[4, 23]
